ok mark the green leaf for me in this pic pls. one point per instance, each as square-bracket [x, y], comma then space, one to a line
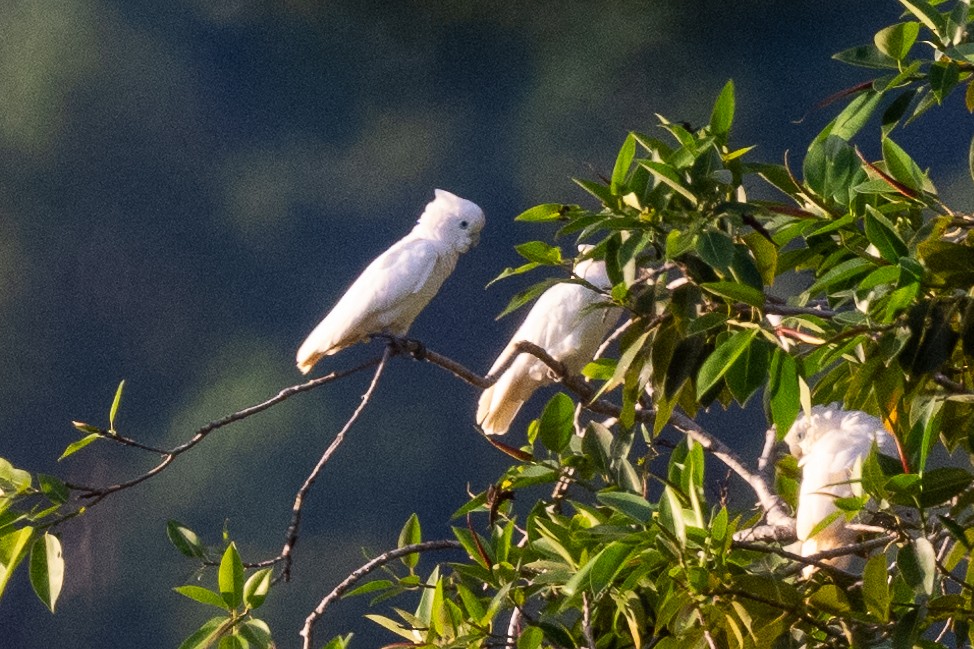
[782, 398]
[875, 587]
[866, 56]
[669, 177]
[13, 549]
[623, 162]
[528, 294]
[918, 565]
[256, 588]
[185, 540]
[539, 252]
[722, 358]
[749, 371]
[557, 423]
[56, 491]
[202, 595]
[257, 632]
[926, 14]
[970, 151]
[841, 275]
[115, 403]
[546, 212]
[47, 569]
[854, 116]
[206, 635]
[74, 447]
[230, 577]
[896, 40]
[530, 638]
[635, 507]
[410, 534]
[339, 642]
[599, 572]
[901, 166]
[882, 234]
[736, 292]
[716, 249]
[722, 116]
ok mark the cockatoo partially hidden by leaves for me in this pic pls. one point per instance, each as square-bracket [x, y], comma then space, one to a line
[394, 288]
[564, 322]
[830, 445]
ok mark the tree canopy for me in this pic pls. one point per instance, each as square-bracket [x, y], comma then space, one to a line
[842, 277]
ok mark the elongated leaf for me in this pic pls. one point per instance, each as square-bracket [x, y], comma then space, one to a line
[722, 116]
[599, 571]
[635, 507]
[556, 426]
[202, 595]
[736, 292]
[206, 635]
[185, 540]
[623, 162]
[47, 569]
[896, 40]
[231, 577]
[716, 248]
[882, 234]
[539, 252]
[546, 212]
[721, 360]
[926, 14]
[115, 404]
[256, 588]
[74, 447]
[918, 564]
[410, 534]
[841, 275]
[13, 549]
[782, 398]
[867, 56]
[875, 587]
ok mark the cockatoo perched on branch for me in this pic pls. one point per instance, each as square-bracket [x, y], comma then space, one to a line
[830, 445]
[564, 322]
[394, 288]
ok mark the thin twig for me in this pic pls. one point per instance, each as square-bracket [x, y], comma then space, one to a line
[98, 493]
[357, 575]
[291, 536]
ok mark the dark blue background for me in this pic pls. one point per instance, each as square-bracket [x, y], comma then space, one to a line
[186, 187]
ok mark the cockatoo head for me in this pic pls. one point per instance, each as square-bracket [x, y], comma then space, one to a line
[592, 270]
[453, 220]
[831, 425]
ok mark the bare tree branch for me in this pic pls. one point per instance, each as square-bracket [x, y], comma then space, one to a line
[291, 536]
[357, 575]
[98, 493]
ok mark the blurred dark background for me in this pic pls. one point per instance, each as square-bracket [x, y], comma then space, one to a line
[186, 187]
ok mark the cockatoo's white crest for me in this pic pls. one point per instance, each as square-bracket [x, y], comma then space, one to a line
[565, 323]
[830, 444]
[394, 288]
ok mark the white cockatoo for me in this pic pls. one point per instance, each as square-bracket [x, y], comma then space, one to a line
[394, 288]
[566, 324]
[830, 444]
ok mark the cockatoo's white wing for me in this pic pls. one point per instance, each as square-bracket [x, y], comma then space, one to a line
[564, 323]
[394, 288]
[385, 298]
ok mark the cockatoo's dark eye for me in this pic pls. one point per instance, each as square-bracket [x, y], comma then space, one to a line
[464, 224]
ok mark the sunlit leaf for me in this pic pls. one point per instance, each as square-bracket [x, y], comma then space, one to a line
[722, 358]
[256, 588]
[47, 569]
[202, 595]
[410, 534]
[231, 577]
[556, 426]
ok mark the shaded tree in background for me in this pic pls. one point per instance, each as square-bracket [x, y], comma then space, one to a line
[855, 286]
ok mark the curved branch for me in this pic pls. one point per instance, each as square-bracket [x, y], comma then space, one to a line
[98, 493]
[357, 575]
